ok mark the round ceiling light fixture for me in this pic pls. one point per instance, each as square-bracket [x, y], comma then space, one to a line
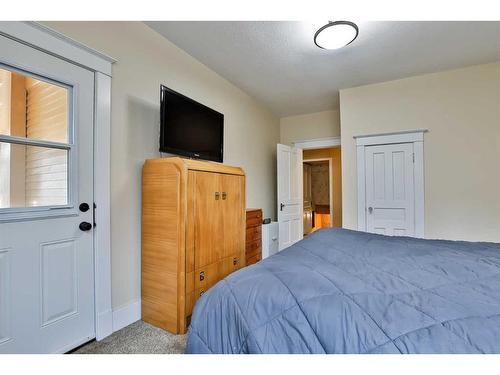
[336, 34]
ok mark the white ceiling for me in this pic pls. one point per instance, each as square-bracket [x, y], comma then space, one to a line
[278, 63]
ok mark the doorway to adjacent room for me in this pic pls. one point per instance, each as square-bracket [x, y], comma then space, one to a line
[322, 189]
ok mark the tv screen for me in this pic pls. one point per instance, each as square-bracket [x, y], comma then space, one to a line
[189, 128]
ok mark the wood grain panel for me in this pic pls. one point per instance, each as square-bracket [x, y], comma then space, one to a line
[208, 226]
[162, 242]
[232, 220]
[191, 221]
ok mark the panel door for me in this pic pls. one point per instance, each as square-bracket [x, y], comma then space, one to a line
[290, 195]
[46, 159]
[208, 219]
[390, 198]
[233, 217]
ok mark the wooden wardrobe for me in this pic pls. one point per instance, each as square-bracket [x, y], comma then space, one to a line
[193, 235]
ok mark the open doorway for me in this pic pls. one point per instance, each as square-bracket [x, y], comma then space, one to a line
[322, 189]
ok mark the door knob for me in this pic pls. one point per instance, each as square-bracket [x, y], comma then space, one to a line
[84, 226]
[84, 207]
[370, 209]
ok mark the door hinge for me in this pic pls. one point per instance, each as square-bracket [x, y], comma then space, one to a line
[413, 155]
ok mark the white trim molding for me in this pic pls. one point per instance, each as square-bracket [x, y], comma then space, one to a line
[405, 136]
[317, 143]
[126, 315]
[53, 43]
[102, 200]
[412, 136]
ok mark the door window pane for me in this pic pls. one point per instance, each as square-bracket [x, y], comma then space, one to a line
[32, 176]
[32, 108]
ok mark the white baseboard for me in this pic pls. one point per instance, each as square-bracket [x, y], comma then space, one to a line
[126, 315]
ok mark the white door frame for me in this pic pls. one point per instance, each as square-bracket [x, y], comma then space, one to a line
[310, 144]
[412, 136]
[49, 41]
[330, 182]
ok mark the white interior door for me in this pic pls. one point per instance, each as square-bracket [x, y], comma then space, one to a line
[290, 195]
[46, 237]
[390, 190]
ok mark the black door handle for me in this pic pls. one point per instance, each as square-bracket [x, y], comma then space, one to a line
[84, 226]
[281, 206]
[84, 207]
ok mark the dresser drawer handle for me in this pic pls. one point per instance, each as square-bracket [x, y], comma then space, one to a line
[202, 275]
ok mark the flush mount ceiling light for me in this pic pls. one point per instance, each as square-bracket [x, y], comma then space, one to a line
[336, 34]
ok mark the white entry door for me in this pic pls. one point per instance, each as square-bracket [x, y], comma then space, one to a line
[290, 200]
[46, 202]
[390, 192]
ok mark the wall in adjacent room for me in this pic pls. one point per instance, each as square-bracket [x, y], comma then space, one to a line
[145, 60]
[461, 110]
[309, 126]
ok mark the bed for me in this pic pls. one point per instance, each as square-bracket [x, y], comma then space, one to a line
[342, 291]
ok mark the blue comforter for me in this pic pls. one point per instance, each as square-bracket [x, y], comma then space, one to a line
[341, 291]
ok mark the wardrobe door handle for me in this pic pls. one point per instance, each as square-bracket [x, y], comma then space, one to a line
[217, 195]
[224, 195]
[202, 275]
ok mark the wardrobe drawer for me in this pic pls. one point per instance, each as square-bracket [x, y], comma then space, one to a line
[229, 265]
[252, 246]
[254, 233]
[254, 217]
[253, 259]
[253, 222]
[206, 276]
[253, 253]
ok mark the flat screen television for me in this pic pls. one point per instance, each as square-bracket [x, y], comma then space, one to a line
[189, 128]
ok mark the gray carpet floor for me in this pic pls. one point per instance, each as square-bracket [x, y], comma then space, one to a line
[137, 338]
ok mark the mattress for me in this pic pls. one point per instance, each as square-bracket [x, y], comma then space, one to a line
[342, 291]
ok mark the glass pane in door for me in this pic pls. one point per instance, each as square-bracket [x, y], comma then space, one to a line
[32, 176]
[33, 108]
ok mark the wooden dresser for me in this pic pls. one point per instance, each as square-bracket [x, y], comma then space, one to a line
[193, 235]
[253, 251]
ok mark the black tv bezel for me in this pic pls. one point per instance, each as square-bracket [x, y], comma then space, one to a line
[180, 152]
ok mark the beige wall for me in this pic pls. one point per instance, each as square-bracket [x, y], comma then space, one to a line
[146, 59]
[309, 126]
[461, 110]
